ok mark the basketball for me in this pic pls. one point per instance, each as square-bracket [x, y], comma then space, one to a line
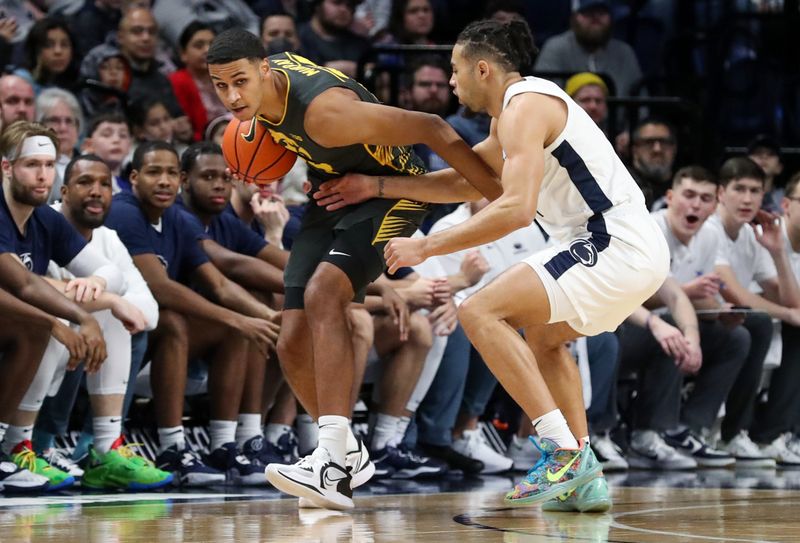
[252, 154]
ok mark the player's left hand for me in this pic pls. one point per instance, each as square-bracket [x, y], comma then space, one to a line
[397, 309]
[86, 288]
[400, 252]
[352, 188]
[444, 318]
[769, 235]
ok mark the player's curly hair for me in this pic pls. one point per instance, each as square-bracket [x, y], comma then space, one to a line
[509, 44]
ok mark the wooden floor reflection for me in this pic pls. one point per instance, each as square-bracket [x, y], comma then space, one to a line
[640, 514]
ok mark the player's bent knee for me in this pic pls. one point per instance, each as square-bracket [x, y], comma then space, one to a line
[172, 324]
[420, 331]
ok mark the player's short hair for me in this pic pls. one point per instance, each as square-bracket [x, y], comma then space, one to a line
[235, 44]
[17, 132]
[509, 44]
[740, 167]
[698, 173]
[195, 150]
[149, 147]
[791, 185]
[89, 157]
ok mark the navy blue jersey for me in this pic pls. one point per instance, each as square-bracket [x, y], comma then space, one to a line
[176, 244]
[48, 236]
[231, 233]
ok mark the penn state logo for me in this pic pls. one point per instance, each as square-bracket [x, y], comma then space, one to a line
[27, 260]
[583, 251]
[163, 261]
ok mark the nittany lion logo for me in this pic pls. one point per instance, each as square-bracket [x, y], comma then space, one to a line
[583, 251]
[27, 260]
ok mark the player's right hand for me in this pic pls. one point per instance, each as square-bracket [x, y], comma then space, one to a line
[352, 188]
[95, 345]
[72, 340]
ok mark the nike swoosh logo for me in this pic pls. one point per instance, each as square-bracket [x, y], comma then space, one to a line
[42, 144]
[553, 477]
[114, 421]
[334, 253]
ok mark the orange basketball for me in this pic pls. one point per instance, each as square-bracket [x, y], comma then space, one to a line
[252, 154]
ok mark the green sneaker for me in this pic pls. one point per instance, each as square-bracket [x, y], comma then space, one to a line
[24, 456]
[557, 472]
[121, 468]
[592, 497]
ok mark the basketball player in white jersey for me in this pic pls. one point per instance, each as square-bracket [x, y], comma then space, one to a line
[558, 168]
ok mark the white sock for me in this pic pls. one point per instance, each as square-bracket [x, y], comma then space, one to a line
[385, 430]
[273, 431]
[221, 432]
[167, 437]
[402, 428]
[352, 442]
[106, 431]
[553, 426]
[333, 436]
[307, 433]
[3, 428]
[16, 435]
[249, 427]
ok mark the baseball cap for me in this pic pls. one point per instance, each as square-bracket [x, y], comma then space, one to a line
[578, 81]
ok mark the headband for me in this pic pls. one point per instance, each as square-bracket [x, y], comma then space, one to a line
[36, 145]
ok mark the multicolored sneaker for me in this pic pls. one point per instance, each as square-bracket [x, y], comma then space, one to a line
[14, 479]
[592, 497]
[24, 456]
[122, 468]
[557, 472]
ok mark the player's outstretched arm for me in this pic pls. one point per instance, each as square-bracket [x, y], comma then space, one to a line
[522, 132]
[337, 118]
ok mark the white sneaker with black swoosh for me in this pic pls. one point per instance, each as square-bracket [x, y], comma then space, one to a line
[316, 478]
[359, 465]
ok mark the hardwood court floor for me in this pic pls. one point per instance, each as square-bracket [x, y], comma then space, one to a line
[681, 507]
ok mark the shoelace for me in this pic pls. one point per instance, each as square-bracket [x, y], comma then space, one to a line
[545, 456]
[27, 460]
[55, 458]
[128, 451]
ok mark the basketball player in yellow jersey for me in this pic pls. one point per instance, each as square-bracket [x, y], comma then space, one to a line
[337, 126]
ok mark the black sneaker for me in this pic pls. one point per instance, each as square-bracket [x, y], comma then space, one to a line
[454, 459]
[261, 452]
[238, 469]
[406, 464]
[689, 444]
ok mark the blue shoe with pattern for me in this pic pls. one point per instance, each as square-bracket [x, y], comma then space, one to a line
[557, 472]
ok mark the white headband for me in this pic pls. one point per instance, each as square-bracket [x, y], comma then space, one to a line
[37, 145]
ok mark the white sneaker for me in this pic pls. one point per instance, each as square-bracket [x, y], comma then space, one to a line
[357, 462]
[608, 453]
[649, 451]
[316, 478]
[474, 445]
[522, 453]
[57, 459]
[15, 479]
[793, 443]
[780, 452]
[747, 453]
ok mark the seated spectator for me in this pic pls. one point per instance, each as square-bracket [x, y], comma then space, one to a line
[34, 234]
[192, 84]
[59, 110]
[654, 149]
[588, 46]
[327, 40]
[428, 90]
[138, 38]
[216, 128]
[505, 10]
[410, 22]
[766, 152]
[590, 92]
[50, 55]
[150, 120]
[279, 33]
[109, 137]
[106, 77]
[163, 242]
[753, 251]
[17, 100]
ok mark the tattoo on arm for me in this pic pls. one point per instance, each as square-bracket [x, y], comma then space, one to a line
[381, 181]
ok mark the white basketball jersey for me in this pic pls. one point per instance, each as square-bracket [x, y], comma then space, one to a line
[583, 176]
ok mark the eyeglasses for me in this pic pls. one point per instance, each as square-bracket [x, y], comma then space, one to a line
[68, 121]
[651, 142]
